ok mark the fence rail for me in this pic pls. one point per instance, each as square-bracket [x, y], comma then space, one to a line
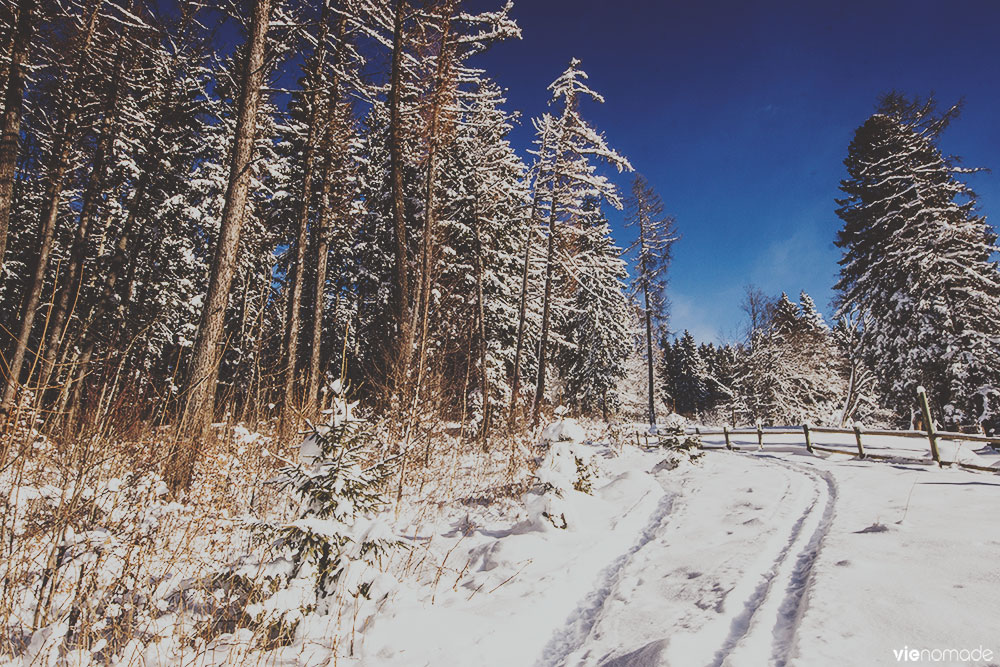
[931, 434]
[808, 431]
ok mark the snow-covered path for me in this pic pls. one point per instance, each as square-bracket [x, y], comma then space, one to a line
[747, 558]
[722, 580]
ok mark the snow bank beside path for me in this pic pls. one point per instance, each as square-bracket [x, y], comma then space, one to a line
[499, 592]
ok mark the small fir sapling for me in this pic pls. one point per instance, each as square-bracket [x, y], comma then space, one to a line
[341, 490]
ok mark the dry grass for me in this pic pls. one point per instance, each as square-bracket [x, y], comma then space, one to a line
[99, 560]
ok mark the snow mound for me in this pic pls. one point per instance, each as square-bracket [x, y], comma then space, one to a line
[672, 422]
[959, 452]
[564, 430]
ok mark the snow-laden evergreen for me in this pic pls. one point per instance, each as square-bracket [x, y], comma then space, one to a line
[793, 371]
[655, 237]
[918, 265]
[568, 174]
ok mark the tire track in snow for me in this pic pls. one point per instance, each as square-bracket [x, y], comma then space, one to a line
[797, 593]
[789, 576]
[582, 619]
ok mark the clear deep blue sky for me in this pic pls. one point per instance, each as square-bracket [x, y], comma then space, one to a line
[740, 114]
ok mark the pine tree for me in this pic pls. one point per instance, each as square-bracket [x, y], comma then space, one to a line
[655, 238]
[917, 264]
[72, 100]
[597, 330]
[203, 371]
[692, 382]
[793, 371]
[571, 181]
[341, 491]
[811, 315]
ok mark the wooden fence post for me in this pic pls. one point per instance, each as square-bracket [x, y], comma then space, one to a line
[725, 430]
[928, 424]
[760, 436]
[809, 445]
[857, 436]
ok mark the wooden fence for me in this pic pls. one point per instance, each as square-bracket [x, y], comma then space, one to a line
[807, 431]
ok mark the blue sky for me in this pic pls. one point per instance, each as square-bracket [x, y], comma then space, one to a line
[740, 114]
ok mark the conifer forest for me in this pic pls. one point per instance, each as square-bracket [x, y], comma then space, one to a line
[307, 357]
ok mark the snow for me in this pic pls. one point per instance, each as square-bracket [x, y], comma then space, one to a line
[748, 558]
[564, 430]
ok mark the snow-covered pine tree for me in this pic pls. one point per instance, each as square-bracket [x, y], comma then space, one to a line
[861, 395]
[811, 316]
[691, 382]
[144, 270]
[917, 265]
[375, 283]
[479, 267]
[570, 180]
[655, 236]
[429, 77]
[58, 130]
[341, 484]
[313, 116]
[597, 327]
[532, 259]
[793, 372]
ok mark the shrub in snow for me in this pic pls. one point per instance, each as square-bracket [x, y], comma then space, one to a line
[672, 422]
[685, 447]
[680, 440]
[567, 466]
[671, 434]
[337, 540]
[564, 430]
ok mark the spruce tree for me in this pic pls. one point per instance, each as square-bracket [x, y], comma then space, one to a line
[571, 181]
[597, 330]
[793, 371]
[655, 238]
[692, 382]
[917, 264]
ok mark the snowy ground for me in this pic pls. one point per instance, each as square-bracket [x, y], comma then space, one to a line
[749, 557]
[744, 558]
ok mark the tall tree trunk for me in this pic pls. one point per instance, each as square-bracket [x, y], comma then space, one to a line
[91, 200]
[50, 213]
[322, 242]
[322, 248]
[546, 311]
[289, 406]
[525, 275]
[12, 109]
[649, 361]
[399, 353]
[523, 309]
[483, 341]
[203, 370]
[643, 273]
[430, 201]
